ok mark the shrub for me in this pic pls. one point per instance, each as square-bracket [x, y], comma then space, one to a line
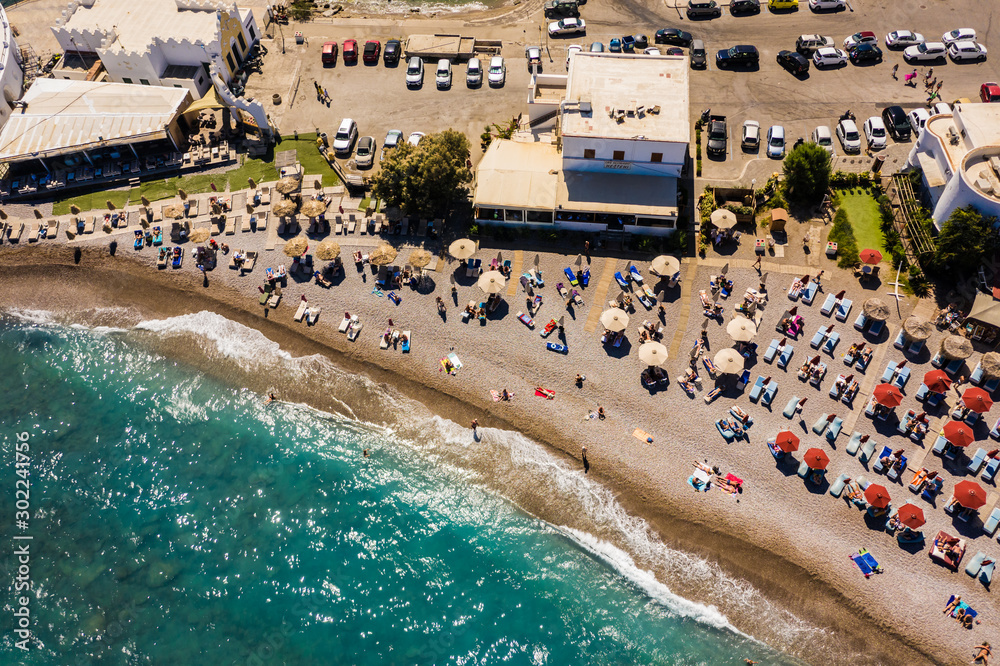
[843, 235]
[807, 174]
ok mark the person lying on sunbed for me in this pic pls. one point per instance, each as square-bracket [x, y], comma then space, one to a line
[953, 604]
[854, 492]
[806, 368]
[504, 395]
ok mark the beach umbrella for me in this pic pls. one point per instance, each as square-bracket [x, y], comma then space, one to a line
[723, 219]
[870, 256]
[787, 441]
[877, 496]
[614, 320]
[296, 246]
[249, 208]
[977, 400]
[665, 265]
[969, 494]
[313, 208]
[499, 257]
[729, 361]
[578, 262]
[109, 204]
[990, 364]
[328, 250]
[200, 235]
[653, 353]
[285, 207]
[492, 282]
[741, 329]
[917, 328]
[74, 209]
[876, 309]
[911, 515]
[956, 347]
[419, 258]
[937, 381]
[463, 248]
[958, 433]
[173, 210]
[144, 200]
[887, 395]
[763, 279]
[383, 255]
[816, 459]
[317, 184]
[287, 185]
[725, 269]
[704, 325]
[252, 183]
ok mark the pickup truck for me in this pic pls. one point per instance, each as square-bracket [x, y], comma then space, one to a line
[717, 135]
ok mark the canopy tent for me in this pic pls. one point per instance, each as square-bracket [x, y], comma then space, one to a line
[985, 310]
[209, 101]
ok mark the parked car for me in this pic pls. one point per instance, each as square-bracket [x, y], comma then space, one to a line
[808, 44]
[862, 37]
[373, 48]
[474, 73]
[875, 133]
[744, 7]
[329, 54]
[796, 63]
[350, 51]
[751, 136]
[827, 5]
[782, 4]
[597, 47]
[414, 72]
[567, 26]
[365, 156]
[390, 56]
[829, 57]
[896, 122]
[414, 138]
[926, 52]
[900, 39]
[498, 71]
[866, 53]
[346, 134]
[823, 137]
[959, 35]
[562, 9]
[443, 75]
[918, 120]
[849, 136]
[941, 108]
[989, 92]
[963, 51]
[534, 56]
[703, 9]
[672, 36]
[776, 142]
[670, 50]
[743, 55]
[699, 58]
[392, 140]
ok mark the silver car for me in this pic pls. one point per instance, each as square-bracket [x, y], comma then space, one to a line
[776, 142]
[926, 52]
[498, 71]
[823, 137]
[414, 72]
[365, 156]
[392, 140]
[875, 133]
[474, 73]
[849, 136]
[829, 57]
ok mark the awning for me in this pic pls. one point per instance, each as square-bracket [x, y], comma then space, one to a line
[986, 310]
[209, 101]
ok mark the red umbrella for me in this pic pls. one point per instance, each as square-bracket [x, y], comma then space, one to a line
[817, 459]
[977, 400]
[937, 381]
[871, 256]
[911, 515]
[787, 441]
[877, 496]
[958, 433]
[969, 494]
[888, 395]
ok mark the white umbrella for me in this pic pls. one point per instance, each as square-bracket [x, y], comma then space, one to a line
[665, 265]
[729, 361]
[653, 353]
[724, 219]
[463, 248]
[615, 319]
[741, 329]
[492, 282]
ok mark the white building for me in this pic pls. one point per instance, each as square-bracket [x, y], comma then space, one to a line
[609, 144]
[11, 74]
[959, 158]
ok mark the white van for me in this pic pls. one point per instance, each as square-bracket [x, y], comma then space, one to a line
[443, 77]
[474, 73]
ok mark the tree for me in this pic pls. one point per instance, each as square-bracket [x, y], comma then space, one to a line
[425, 179]
[966, 239]
[807, 174]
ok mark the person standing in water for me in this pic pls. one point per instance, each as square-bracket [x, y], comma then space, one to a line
[270, 398]
[475, 426]
[586, 463]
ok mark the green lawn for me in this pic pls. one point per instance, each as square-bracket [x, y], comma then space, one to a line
[863, 212]
[312, 162]
[95, 200]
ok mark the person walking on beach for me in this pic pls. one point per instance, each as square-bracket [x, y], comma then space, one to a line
[756, 264]
[600, 412]
[586, 463]
[475, 425]
[895, 68]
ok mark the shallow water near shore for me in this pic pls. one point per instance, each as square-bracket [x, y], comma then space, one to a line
[178, 517]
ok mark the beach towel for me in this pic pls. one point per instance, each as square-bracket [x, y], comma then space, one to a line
[545, 393]
[698, 484]
[378, 292]
[497, 396]
[866, 563]
[642, 436]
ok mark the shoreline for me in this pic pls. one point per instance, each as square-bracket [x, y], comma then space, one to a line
[118, 280]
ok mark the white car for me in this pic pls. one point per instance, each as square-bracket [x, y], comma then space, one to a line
[926, 52]
[567, 26]
[498, 71]
[849, 137]
[414, 72]
[776, 141]
[829, 57]
[966, 50]
[959, 35]
[918, 120]
[651, 50]
[343, 140]
[365, 156]
[817, 5]
[392, 140]
[942, 108]
[875, 133]
[751, 136]
[474, 73]
[414, 139]
[898, 39]
[573, 48]
[823, 137]
[862, 37]
[443, 76]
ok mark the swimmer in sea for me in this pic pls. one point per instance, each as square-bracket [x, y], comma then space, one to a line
[366, 454]
[270, 398]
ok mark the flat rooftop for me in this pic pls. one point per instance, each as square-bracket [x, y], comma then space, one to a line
[612, 81]
[981, 122]
[138, 23]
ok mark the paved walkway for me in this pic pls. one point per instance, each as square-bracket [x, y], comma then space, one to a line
[515, 274]
[600, 294]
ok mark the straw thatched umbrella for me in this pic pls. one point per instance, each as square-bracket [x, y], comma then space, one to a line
[729, 361]
[956, 347]
[653, 353]
[296, 246]
[144, 200]
[419, 258]
[74, 209]
[723, 219]
[917, 328]
[328, 250]
[173, 210]
[492, 282]
[615, 320]
[38, 214]
[313, 208]
[665, 265]
[876, 309]
[285, 208]
[200, 235]
[384, 254]
[741, 329]
[287, 185]
[461, 249]
[990, 364]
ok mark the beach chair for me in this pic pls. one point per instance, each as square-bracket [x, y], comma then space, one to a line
[940, 445]
[726, 433]
[890, 372]
[808, 292]
[791, 407]
[837, 487]
[843, 309]
[879, 466]
[896, 470]
[828, 305]
[769, 392]
[820, 336]
[526, 320]
[867, 450]
[977, 462]
[902, 376]
[744, 380]
[915, 348]
[934, 399]
[712, 395]
[938, 360]
[863, 360]
[352, 223]
[571, 276]
[230, 226]
[848, 397]
[831, 342]
[785, 356]
[975, 563]
[710, 367]
[991, 385]
[834, 430]
[620, 279]
[820, 426]
[954, 366]
[861, 322]
[990, 526]
[634, 274]
[756, 389]
[922, 393]
[995, 432]
[771, 352]
[900, 340]
[854, 443]
[817, 379]
[803, 469]
[345, 322]
[990, 472]
[973, 418]
[355, 329]
[876, 328]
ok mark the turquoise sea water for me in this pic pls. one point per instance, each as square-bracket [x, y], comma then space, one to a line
[178, 519]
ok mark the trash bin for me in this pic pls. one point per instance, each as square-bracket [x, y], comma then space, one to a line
[326, 140]
[877, 164]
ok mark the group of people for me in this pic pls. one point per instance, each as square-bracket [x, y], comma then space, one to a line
[812, 370]
[917, 425]
[649, 332]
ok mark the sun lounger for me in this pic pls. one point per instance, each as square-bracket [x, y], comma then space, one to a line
[249, 262]
[743, 380]
[808, 292]
[838, 486]
[724, 430]
[161, 262]
[938, 360]
[712, 395]
[932, 489]
[803, 469]
[902, 376]
[312, 314]
[620, 279]
[918, 481]
[922, 392]
[991, 385]
[954, 366]
[867, 450]
[791, 407]
[831, 342]
[772, 350]
[848, 397]
[820, 426]
[526, 320]
[915, 348]
[843, 309]
[355, 329]
[709, 366]
[890, 372]
[876, 328]
[834, 431]
[571, 276]
[634, 273]
[785, 355]
[817, 378]
[990, 472]
[35, 232]
[756, 389]
[975, 563]
[986, 573]
[301, 311]
[274, 300]
[345, 323]
[820, 336]
[854, 443]
[828, 305]
[861, 322]
[897, 469]
[863, 360]
[900, 340]
[976, 462]
[973, 418]
[990, 526]
[352, 223]
[940, 444]
[885, 453]
[769, 392]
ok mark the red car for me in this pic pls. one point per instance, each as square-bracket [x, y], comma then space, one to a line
[373, 48]
[989, 92]
[330, 53]
[350, 50]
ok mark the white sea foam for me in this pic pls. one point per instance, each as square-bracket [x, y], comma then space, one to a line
[28, 316]
[231, 339]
